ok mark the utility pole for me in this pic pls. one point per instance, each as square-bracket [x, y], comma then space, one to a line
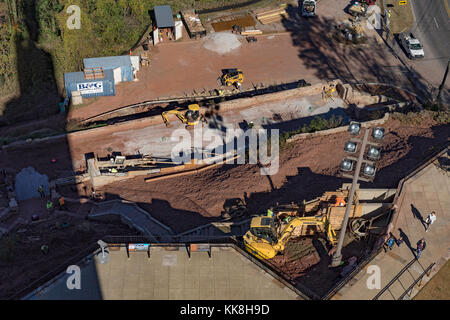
[337, 256]
[443, 83]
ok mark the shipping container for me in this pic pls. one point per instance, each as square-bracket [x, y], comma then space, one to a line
[89, 88]
[110, 63]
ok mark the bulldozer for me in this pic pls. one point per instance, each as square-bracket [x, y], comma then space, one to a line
[190, 118]
[268, 236]
[232, 77]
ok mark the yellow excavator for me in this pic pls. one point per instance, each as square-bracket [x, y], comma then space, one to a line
[190, 118]
[232, 76]
[268, 236]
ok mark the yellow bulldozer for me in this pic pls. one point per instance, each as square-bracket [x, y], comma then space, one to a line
[232, 77]
[190, 118]
[268, 236]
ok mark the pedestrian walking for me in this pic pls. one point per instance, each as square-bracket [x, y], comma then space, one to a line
[41, 191]
[389, 243]
[400, 241]
[49, 206]
[420, 247]
[429, 220]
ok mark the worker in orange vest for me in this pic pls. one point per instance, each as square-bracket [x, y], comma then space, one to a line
[62, 204]
[340, 202]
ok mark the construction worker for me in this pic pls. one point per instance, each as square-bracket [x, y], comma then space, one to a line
[340, 202]
[41, 191]
[62, 204]
[49, 206]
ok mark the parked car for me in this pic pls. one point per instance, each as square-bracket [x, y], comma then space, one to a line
[412, 45]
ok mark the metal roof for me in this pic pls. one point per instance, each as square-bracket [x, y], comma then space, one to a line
[164, 17]
[107, 62]
[77, 77]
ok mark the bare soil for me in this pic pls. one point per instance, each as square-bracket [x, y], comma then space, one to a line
[308, 168]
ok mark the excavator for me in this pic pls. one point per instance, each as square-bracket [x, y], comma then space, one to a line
[268, 236]
[190, 118]
[232, 76]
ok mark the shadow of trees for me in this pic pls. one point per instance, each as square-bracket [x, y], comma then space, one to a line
[38, 93]
[328, 59]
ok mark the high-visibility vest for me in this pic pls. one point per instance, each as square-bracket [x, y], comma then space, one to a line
[61, 201]
[269, 213]
[49, 204]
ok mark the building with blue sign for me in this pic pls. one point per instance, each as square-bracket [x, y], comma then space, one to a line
[90, 87]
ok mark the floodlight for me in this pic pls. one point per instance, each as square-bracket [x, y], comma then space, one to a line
[354, 127]
[346, 165]
[350, 147]
[374, 153]
[369, 170]
[378, 133]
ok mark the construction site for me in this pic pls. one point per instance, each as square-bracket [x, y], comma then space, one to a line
[154, 167]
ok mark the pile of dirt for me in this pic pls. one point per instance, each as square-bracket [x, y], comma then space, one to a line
[222, 42]
[307, 169]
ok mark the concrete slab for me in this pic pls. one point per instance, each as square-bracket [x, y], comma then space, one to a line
[224, 276]
[430, 180]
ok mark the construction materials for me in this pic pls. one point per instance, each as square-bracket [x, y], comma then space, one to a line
[309, 8]
[190, 118]
[227, 25]
[358, 9]
[193, 24]
[266, 16]
[251, 32]
[232, 77]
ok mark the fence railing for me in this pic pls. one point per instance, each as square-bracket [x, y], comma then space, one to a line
[405, 268]
[418, 280]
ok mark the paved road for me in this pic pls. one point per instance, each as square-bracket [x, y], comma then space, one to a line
[432, 26]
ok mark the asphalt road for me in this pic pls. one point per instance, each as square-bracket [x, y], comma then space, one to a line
[432, 27]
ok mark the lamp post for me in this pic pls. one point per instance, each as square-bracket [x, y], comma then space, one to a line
[369, 170]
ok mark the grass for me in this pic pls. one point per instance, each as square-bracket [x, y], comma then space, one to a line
[316, 124]
[402, 18]
[438, 288]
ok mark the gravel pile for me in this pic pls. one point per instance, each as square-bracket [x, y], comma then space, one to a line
[222, 42]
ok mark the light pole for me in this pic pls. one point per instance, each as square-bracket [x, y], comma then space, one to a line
[369, 170]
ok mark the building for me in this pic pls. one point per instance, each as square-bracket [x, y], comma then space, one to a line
[91, 83]
[121, 65]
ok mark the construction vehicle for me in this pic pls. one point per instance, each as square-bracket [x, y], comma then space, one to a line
[268, 236]
[358, 9]
[412, 45]
[190, 118]
[232, 76]
[309, 8]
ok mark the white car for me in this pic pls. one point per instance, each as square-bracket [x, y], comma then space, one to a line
[412, 46]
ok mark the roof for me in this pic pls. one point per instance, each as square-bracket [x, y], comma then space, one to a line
[164, 17]
[78, 77]
[107, 62]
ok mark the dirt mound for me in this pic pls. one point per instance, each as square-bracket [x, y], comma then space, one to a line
[222, 42]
